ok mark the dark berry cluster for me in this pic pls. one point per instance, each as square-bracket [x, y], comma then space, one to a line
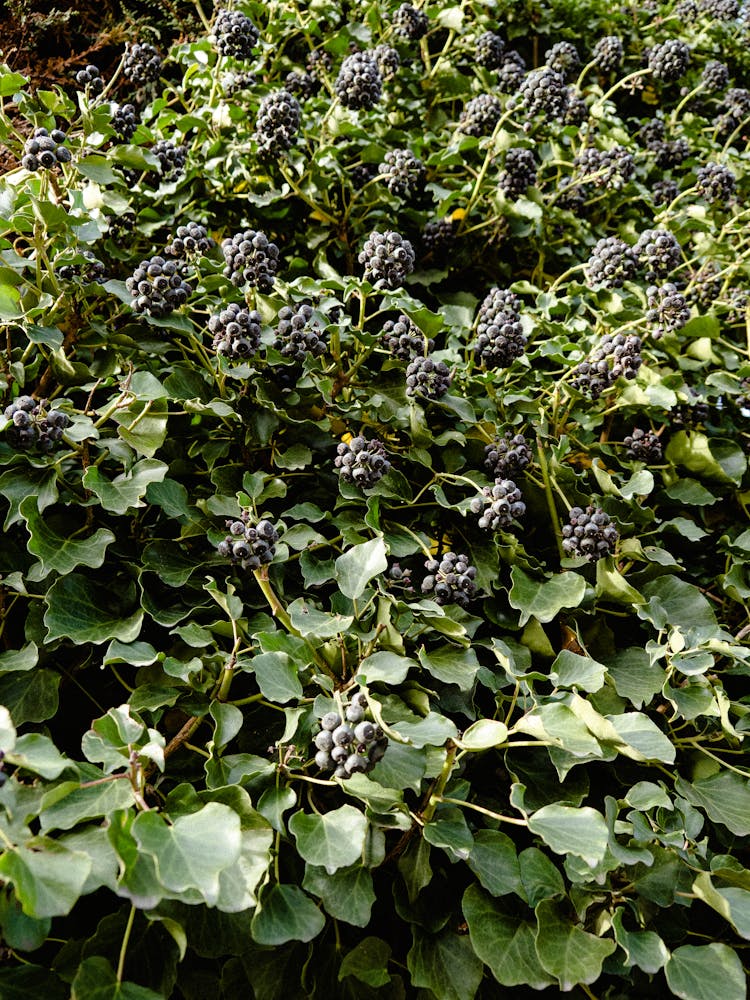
[543, 92]
[236, 331]
[142, 63]
[234, 34]
[669, 60]
[664, 192]
[427, 378]
[171, 157]
[33, 425]
[610, 263]
[607, 168]
[45, 150]
[616, 355]
[563, 57]
[350, 745]
[720, 10]
[403, 173]
[691, 414]
[91, 270]
[668, 310]
[687, 11]
[715, 182]
[297, 334]
[408, 22]
[188, 240]
[90, 78]
[158, 287]
[439, 235]
[450, 580]
[387, 60]
[359, 85]
[319, 64]
[576, 110]
[302, 85]
[511, 72]
[643, 446]
[125, 121]
[361, 174]
[507, 456]
[247, 546]
[251, 259]
[590, 533]
[518, 174]
[499, 505]
[481, 115]
[705, 284]
[489, 50]
[658, 252]
[670, 153]
[715, 76]
[362, 462]
[500, 338]
[277, 124]
[234, 83]
[403, 339]
[387, 257]
[608, 53]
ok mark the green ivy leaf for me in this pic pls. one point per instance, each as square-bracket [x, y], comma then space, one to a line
[543, 599]
[567, 952]
[444, 963]
[48, 878]
[347, 894]
[566, 830]
[483, 734]
[368, 962]
[504, 942]
[451, 665]
[286, 914]
[126, 490]
[58, 554]
[642, 948]
[192, 852]
[358, 565]
[77, 608]
[570, 670]
[493, 860]
[704, 972]
[96, 980]
[725, 798]
[331, 841]
[30, 696]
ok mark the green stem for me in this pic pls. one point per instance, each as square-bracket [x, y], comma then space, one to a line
[544, 469]
[437, 793]
[124, 946]
[485, 812]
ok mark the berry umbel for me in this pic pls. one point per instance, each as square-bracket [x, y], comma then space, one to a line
[589, 533]
[387, 258]
[251, 259]
[361, 462]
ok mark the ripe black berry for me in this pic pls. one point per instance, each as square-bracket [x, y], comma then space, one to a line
[608, 168]
[489, 50]
[298, 335]
[359, 84]
[388, 258]
[519, 172]
[715, 182]
[608, 53]
[90, 79]
[171, 158]
[45, 150]
[234, 34]
[511, 72]
[404, 340]
[658, 253]
[667, 308]
[427, 378]
[451, 580]
[125, 121]
[362, 462]
[543, 92]
[499, 505]
[590, 533]
[403, 173]
[189, 240]
[302, 85]
[643, 446]
[481, 115]
[408, 22]
[564, 59]
[611, 263]
[352, 746]
[33, 426]
[715, 76]
[236, 331]
[616, 355]
[157, 286]
[439, 236]
[507, 456]
[250, 259]
[388, 61]
[277, 124]
[669, 60]
[247, 546]
[142, 63]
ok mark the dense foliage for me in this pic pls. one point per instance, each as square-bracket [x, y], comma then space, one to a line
[374, 581]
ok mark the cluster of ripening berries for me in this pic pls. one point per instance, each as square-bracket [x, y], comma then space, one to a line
[349, 745]
[249, 546]
[44, 150]
[361, 462]
[589, 533]
[33, 425]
